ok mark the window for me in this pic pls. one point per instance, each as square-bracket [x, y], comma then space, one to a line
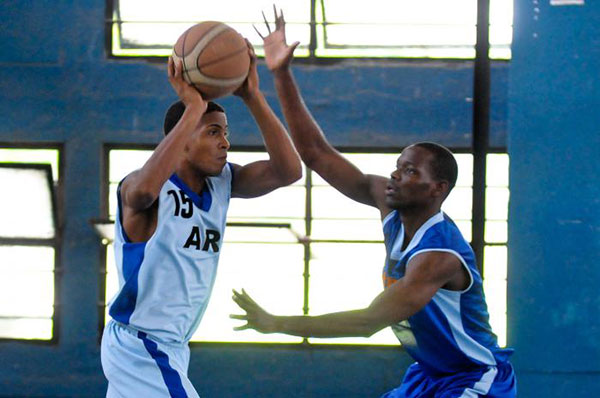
[343, 28]
[29, 243]
[495, 254]
[340, 268]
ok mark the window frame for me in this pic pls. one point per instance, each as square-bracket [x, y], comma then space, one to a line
[55, 243]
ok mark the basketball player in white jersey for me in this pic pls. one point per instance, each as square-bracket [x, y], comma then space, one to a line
[433, 295]
[169, 234]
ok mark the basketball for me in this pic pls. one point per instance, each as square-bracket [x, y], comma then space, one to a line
[215, 58]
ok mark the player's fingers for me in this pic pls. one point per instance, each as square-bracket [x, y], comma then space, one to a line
[250, 46]
[250, 50]
[241, 317]
[237, 294]
[245, 294]
[276, 16]
[279, 22]
[281, 19]
[261, 36]
[243, 327]
[178, 67]
[243, 303]
[293, 46]
[170, 68]
[266, 22]
[248, 298]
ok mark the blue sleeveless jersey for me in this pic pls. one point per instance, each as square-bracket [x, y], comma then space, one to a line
[165, 282]
[451, 333]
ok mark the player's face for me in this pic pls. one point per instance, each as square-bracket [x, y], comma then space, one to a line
[411, 185]
[208, 145]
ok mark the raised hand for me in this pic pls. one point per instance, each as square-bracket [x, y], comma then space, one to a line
[250, 86]
[278, 54]
[186, 92]
[256, 318]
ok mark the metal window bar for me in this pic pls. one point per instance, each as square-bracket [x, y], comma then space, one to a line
[481, 127]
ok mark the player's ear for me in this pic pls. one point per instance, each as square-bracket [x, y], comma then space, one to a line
[441, 189]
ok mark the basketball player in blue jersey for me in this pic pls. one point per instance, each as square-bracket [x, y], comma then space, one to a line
[169, 234]
[433, 297]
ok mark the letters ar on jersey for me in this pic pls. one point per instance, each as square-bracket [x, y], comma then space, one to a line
[184, 208]
[211, 240]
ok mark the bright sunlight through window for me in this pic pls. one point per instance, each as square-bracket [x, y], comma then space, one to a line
[343, 28]
[28, 243]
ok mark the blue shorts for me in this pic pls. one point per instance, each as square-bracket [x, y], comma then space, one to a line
[139, 366]
[491, 382]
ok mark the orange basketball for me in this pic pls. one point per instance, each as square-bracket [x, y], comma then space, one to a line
[215, 58]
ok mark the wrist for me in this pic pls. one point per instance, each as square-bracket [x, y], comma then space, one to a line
[194, 109]
[281, 71]
[252, 96]
[276, 324]
[191, 116]
[194, 101]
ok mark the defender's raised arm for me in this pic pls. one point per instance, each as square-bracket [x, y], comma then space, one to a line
[283, 166]
[308, 137]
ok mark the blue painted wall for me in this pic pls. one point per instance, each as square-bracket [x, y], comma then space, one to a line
[554, 229]
[58, 86]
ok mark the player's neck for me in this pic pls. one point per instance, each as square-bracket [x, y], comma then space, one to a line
[413, 220]
[191, 178]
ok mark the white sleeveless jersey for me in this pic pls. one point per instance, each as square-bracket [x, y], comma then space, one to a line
[165, 283]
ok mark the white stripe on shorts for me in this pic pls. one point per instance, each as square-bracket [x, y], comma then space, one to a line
[482, 387]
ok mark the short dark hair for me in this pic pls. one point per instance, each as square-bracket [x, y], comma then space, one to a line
[176, 110]
[443, 164]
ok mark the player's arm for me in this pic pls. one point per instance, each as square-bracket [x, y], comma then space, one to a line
[283, 166]
[425, 274]
[308, 138]
[140, 189]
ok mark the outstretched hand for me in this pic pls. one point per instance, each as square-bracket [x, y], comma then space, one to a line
[278, 54]
[256, 318]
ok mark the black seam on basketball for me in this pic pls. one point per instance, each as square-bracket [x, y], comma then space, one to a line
[215, 26]
[214, 61]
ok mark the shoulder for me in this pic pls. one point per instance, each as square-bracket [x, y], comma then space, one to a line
[222, 184]
[227, 174]
[435, 264]
[229, 171]
[444, 241]
[391, 221]
[444, 234]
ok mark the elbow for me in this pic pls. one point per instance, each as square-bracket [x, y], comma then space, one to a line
[370, 330]
[370, 325]
[290, 174]
[295, 173]
[366, 333]
[309, 156]
[139, 199]
[374, 321]
[313, 155]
